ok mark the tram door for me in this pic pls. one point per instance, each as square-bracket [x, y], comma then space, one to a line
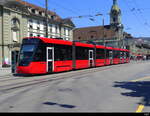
[125, 57]
[111, 57]
[91, 58]
[121, 57]
[50, 59]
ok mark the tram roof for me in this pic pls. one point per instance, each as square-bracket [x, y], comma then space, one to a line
[117, 49]
[110, 48]
[84, 45]
[126, 50]
[100, 46]
[52, 40]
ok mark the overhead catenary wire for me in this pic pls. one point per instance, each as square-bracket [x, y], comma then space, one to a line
[139, 11]
[138, 19]
[91, 18]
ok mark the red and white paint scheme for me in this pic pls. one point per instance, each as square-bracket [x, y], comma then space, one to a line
[40, 55]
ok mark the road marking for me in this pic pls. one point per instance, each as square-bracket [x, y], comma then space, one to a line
[140, 79]
[140, 109]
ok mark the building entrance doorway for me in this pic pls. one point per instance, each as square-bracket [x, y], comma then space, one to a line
[14, 60]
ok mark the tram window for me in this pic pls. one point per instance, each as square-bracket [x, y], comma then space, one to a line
[63, 53]
[124, 54]
[116, 54]
[50, 54]
[100, 54]
[26, 53]
[121, 54]
[110, 54]
[82, 53]
[29, 41]
[107, 53]
[28, 48]
[127, 54]
[40, 54]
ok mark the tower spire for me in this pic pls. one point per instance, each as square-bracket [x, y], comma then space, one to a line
[115, 14]
[114, 2]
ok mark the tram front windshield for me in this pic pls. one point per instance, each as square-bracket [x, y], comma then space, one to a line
[26, 54]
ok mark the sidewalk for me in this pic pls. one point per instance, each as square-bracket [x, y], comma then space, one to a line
[5, 71]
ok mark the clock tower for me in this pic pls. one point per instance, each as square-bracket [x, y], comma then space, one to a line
[115, 14]
[115, 22]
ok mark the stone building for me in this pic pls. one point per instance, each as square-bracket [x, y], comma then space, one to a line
[111, 35]
[94, 33]
[138, 46]
[19, 19]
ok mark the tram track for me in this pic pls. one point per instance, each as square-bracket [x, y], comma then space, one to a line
[5, 76]
[24, 82]
[8, 77]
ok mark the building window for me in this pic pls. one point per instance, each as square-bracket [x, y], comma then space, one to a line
[114, 19]
[52, 17]
[15, 36]
[44, 28]
[69, 32]
[38, 28]
[30, 23]
[64, 31]
[40, 13]
[56, 29]
[38, 25]
[38, 22]
[31, 27]
[15, 26]
[50, 30]
[31, 35]
[50, 27]
[33, 10]
[53, 29]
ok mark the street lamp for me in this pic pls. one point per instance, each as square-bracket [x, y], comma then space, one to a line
[103, 32]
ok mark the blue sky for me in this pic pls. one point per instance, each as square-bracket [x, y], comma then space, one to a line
[135, 13]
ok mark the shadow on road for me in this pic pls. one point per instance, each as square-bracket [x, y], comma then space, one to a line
[138, 89]
[60, 105]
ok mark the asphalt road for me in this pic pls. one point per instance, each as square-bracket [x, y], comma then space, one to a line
[117, 88]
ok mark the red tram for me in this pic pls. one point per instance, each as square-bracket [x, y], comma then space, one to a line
[44, 55]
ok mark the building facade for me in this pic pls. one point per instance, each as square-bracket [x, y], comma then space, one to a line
[98, 34]
[19, 19]
[138, 46]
